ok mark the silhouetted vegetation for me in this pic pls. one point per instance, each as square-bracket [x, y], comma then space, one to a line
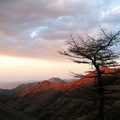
[98, 52]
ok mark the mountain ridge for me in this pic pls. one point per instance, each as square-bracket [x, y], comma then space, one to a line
[64, 101]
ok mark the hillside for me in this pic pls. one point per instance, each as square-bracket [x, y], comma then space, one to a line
[68, 101]
[8, 113]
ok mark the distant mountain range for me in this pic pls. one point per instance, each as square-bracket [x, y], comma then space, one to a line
[55, 99]
[5, 93]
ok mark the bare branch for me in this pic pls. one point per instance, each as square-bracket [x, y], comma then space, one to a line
[84, 62]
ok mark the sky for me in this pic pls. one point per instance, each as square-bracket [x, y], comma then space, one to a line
[33, 31]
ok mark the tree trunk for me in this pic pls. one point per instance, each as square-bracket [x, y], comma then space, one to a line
[101, 94]
[101, 98]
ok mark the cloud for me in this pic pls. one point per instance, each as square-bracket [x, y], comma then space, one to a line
[39, 28]
[116, 10]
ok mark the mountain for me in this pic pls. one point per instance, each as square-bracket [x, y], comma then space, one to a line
[56, 80]
[3, 97]
[23, 86]
[5, 93]
[69, 101]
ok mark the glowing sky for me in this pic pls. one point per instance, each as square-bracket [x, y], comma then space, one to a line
[32, 31]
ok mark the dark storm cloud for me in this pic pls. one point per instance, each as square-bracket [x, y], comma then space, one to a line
[37, 28]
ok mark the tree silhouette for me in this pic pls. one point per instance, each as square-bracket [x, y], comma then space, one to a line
[98, 52]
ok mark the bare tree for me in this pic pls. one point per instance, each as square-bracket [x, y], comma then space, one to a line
[97, 52]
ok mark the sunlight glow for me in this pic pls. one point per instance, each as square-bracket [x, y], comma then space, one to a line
[22, 69]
